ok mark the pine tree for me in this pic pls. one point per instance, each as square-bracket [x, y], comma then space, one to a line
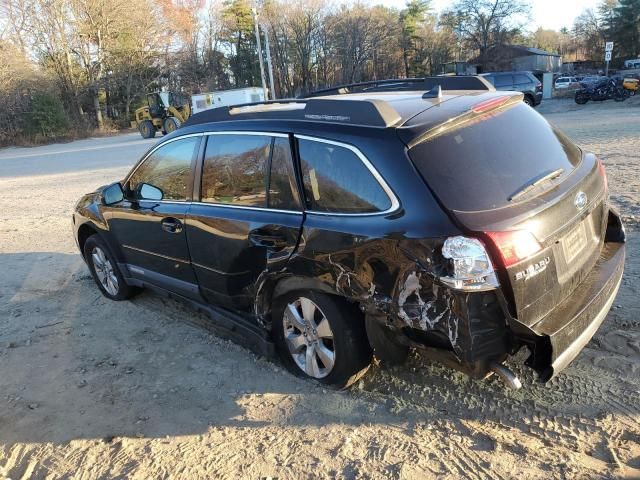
[627, 28]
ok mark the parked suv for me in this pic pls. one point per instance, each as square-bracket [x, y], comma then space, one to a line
[524, 82]
[565, 82]
[338, 227]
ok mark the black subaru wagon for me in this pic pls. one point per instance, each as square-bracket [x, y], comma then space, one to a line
[333, 228]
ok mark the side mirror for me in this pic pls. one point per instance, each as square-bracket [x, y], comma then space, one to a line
[112, 194]
[149, 192]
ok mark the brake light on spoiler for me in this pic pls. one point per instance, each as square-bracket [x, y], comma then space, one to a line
[490, 104]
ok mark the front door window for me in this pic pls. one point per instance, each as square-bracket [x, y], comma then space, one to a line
[168, 169]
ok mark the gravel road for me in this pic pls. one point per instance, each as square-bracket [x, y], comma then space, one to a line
[142, 389]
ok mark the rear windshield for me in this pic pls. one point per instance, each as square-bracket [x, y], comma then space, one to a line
[482, 165]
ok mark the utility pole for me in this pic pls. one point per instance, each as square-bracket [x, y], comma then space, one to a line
[269, 66]
[260, 59]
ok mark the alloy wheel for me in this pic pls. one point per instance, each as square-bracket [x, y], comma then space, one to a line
[104, 271]
[309, 337]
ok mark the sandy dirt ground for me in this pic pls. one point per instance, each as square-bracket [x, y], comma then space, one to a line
[140, 389]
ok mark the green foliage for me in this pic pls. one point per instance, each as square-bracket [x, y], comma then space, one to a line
[626, 28]
[240, 36]
[47, 117]
[616, 21]
[411, 19]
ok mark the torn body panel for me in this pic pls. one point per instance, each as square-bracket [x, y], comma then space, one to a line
[396, 282]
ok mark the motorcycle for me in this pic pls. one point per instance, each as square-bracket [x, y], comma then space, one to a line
[606, 90]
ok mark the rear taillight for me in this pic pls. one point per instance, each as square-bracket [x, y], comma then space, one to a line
[514, 246]
[471, 268]
[603, 174]
[538, 87]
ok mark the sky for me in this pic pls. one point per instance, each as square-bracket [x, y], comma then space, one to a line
[551, 14]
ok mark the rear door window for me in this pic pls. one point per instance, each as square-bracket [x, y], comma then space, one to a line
[480, 166]
[234, 170]
[503, 81]
[336, 180]
[521, 79]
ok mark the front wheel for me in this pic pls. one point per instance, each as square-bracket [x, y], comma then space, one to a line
[581, 99]
[171, 124]
[147, 129]
[321, 337]
[104, 270]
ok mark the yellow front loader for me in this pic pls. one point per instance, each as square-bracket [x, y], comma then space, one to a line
[165, 112]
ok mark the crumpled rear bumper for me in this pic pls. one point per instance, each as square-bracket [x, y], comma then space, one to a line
[560, 336]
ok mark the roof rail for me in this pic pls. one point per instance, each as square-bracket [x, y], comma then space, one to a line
[370, 112]
[461, 82]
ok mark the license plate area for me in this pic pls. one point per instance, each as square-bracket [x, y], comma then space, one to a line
[574, 242]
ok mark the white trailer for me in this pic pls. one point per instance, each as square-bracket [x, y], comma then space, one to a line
[225, 98]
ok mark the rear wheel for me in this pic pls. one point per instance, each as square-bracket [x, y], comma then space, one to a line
[104, 270]
[171, 124]
[620, 96]
[146, 128]
[321, 337]
[528, 100]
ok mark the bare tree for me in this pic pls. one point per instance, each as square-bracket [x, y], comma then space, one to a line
[485, 24]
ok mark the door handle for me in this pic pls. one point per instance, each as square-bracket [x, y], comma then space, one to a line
[171, 225]
[267, 240]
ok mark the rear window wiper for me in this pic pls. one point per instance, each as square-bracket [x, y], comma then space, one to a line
[527, 188]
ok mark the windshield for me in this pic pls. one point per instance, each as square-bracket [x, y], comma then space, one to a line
[486, 164]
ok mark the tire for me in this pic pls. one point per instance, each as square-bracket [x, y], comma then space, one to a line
[171, 124]
[528, 100]
[581, 99]
[146, 128]
[105, 271]
[301, 333]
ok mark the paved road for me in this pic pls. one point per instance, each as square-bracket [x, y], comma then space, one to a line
[89, 154]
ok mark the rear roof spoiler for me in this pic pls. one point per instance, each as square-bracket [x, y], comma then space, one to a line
[462, 82]
[369, 112]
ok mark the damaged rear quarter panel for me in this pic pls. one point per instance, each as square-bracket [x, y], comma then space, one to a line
[388, 263]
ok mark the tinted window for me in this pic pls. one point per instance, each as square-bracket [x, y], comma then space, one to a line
[234, 169]
[336, 180]
[168, 168]
[480, 166]
[520, 78]
[282, 180]
[503, 81]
